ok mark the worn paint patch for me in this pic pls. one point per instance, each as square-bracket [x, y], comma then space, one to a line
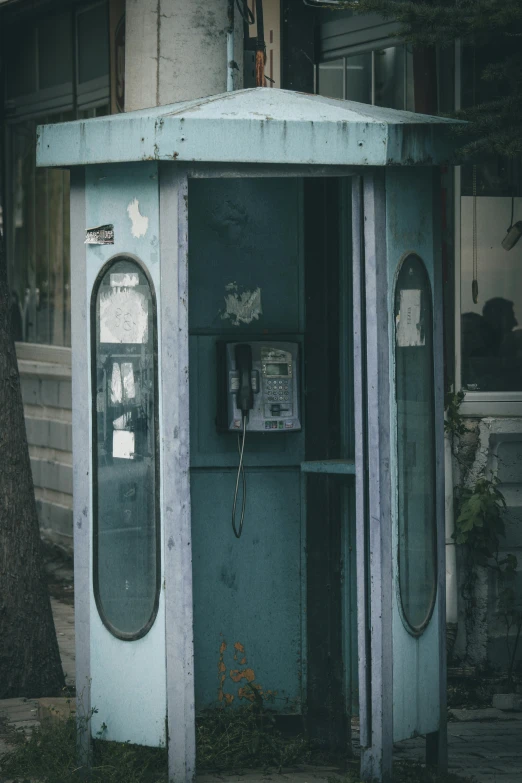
[139, 223]
[241, 306]
[408, 326]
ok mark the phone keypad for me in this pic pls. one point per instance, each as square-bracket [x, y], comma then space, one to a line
[278, 390]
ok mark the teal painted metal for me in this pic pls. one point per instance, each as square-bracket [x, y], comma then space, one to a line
[244, 236]
[340, 467]
[346, 394]
[253, 126]
[409, 229]
[110, 190]
[248, 601]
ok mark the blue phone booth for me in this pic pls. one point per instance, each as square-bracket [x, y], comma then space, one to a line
[258, 418]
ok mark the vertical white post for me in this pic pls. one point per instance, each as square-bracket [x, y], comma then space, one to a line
[81, 436]
[175, 450]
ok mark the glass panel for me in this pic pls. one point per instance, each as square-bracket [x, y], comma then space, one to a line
[55, 64]
[415, 442]
[21, 62]
[491, 331]
[42, 334]
[126, 517]
[330, 78]
[359, 78]
[93, 43]
[390, 77]
[38, 241]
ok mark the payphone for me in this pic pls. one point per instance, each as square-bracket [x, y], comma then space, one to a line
[258, 392]
[154, 577]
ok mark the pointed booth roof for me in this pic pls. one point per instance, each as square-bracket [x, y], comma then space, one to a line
[253, 126]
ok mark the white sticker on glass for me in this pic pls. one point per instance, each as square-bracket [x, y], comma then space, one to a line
[127, 374]
[408, 325]
[123, 444]
[123, 316]
[116, 385]
[124, 279]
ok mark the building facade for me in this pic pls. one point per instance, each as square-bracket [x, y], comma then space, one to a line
[69, 60]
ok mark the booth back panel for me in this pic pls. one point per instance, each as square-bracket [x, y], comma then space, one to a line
[245, 284]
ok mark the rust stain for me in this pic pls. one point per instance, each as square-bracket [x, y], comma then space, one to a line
[221, 670]
[244, 677]
[236, 675]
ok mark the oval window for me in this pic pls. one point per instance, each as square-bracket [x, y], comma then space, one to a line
[415, 443]
[126, 550]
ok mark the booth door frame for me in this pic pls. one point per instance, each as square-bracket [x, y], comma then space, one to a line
[174, 254]
[374, 418]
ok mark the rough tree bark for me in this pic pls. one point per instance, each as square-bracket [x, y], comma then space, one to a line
[29, 658]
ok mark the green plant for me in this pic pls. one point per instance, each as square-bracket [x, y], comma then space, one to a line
[245, 737]
[227, 739]
[479, 523]
[49, 755]
[453, 423]
[480, 528]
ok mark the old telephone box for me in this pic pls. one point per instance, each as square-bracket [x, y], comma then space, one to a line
[257, 418]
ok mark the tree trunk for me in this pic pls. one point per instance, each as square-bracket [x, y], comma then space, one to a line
[29, 657]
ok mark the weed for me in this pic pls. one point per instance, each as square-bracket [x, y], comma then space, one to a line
[245, 738]
[49, 755]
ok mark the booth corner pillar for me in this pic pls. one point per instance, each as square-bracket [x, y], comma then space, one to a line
[81, 436]
[177, 544]
[395, 701]
[133, 517]
[372, 416]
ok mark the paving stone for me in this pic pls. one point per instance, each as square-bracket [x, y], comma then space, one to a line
[488, 714]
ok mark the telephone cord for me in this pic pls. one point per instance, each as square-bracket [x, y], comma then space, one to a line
[240, 474]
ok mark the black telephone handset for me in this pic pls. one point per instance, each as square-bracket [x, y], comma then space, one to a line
[245, 394]
[245, 403]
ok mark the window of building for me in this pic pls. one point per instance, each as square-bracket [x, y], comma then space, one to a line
[488, 277]
[490, 281]
[381, 77]
[57, 69]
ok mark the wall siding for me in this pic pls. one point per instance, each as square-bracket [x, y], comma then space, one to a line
[46, 393]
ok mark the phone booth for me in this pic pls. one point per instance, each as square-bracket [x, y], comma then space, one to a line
[258, 419]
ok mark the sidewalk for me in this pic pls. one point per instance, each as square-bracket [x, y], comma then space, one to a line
[484, 744]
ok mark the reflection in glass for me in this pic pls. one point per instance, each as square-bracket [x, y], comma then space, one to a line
[491, 328]
[331, 79]
[390, 77]
[415, 442]
[359, 78]
[126, 521]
